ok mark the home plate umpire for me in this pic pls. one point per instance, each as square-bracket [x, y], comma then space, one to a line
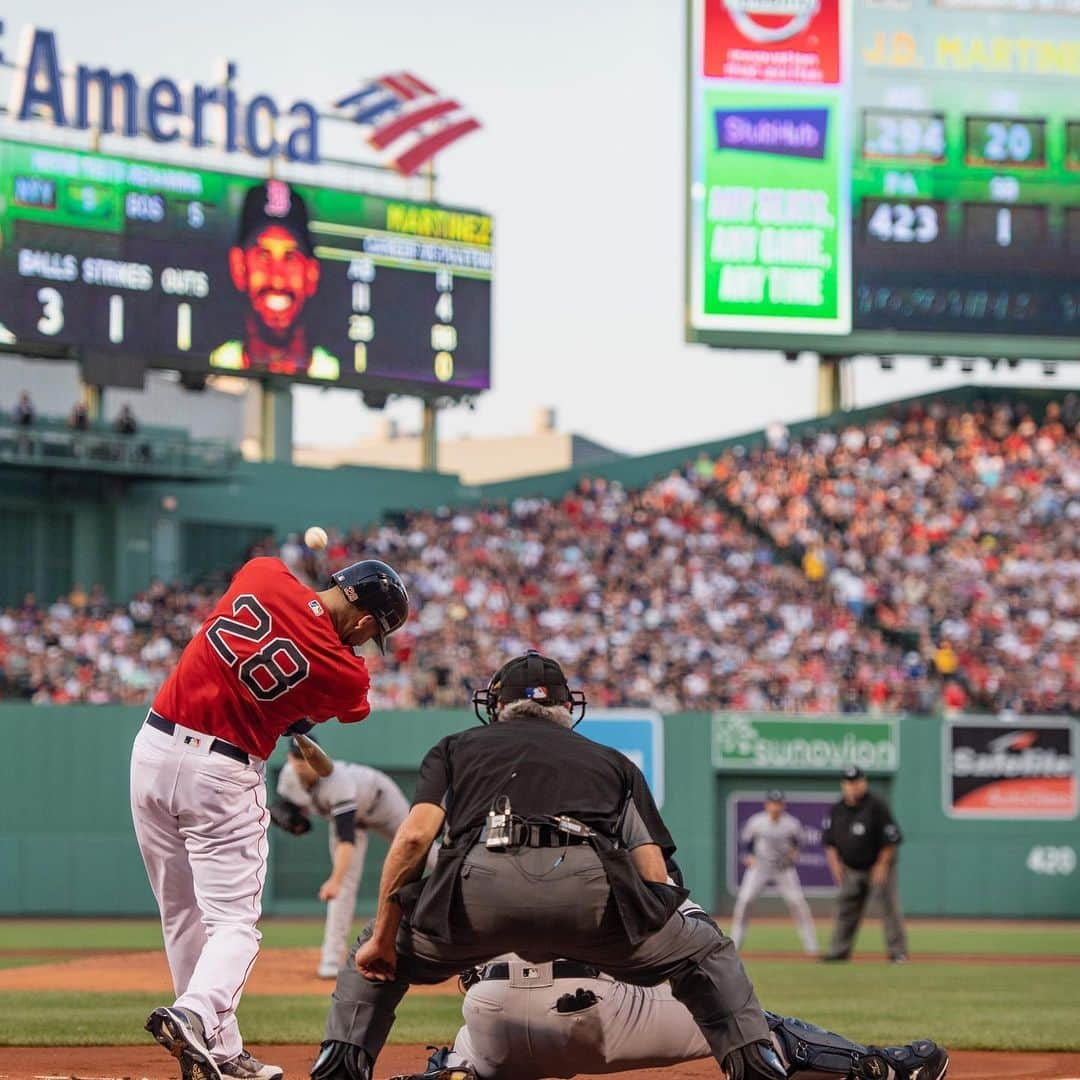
[553, 847]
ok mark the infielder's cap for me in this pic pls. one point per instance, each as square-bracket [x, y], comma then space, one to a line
[274, 203]
[853, 772]
[375, 589]
[774, 795]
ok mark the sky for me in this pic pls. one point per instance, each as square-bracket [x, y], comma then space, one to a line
[581, 162]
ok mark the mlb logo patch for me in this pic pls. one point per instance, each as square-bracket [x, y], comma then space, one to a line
[191, 740]
[315, 606]
[536, 693]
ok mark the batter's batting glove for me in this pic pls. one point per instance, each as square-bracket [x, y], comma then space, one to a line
[437, 1068]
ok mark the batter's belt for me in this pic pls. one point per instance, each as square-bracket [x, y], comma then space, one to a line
[218, 746]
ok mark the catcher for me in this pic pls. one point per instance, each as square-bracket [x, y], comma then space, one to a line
[354, 799]
[526, 1021]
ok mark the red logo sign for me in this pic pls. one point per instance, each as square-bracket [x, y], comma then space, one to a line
[792, 41]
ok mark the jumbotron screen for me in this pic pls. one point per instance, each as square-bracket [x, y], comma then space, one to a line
[212, 272]
[885, 176]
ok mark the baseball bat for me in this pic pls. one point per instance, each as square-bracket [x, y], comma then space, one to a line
[315, 755]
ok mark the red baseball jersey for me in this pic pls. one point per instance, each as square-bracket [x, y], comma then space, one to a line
[267, 656]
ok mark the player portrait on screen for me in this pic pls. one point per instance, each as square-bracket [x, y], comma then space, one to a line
[273, 265]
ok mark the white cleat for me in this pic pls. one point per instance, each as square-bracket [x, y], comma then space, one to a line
[246, 1067]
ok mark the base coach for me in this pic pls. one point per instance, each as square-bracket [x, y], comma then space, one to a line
[552, 847]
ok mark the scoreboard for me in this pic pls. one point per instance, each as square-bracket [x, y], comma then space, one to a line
[885, 176]
[211, 272]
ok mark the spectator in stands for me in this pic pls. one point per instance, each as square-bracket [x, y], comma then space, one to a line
[24, 412]
[79, 418]
[125, 423]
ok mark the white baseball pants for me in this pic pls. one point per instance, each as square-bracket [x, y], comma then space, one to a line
[201, 819]
[754, 882]
[385, 814]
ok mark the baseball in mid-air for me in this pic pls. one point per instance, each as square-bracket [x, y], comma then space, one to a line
[316, 537]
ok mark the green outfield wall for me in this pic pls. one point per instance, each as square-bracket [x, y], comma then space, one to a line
[67, 847]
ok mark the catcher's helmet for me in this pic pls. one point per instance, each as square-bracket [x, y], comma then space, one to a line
[530, 677]
[375, 588]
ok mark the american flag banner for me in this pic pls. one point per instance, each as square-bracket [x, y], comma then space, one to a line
[408, 118]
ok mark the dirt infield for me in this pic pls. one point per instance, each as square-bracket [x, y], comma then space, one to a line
[292, 971]
[277, 971]
[151, 1063]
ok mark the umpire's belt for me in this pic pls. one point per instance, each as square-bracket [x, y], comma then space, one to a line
[560, 969]
[524, 834]
[218, 746]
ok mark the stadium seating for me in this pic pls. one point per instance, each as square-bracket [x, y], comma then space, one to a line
[795, 576]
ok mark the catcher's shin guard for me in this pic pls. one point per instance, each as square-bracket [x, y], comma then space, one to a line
[809, 1051]
[755, 1061]
[341, 1061]
[439, 1069]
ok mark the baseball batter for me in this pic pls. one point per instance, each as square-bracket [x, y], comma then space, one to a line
[355, 799]
[271, 654]
[772, 837]
[525, 1021]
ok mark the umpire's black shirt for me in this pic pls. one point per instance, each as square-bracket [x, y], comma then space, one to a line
[544, 769]
[859, 832]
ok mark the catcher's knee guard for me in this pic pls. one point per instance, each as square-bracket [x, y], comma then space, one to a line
[341, 1061]
[755, 1061]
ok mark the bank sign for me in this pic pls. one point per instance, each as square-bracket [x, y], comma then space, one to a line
[750, 742]
[403, 116]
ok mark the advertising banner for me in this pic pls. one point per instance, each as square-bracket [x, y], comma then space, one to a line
[774, 219]
[636, 733]
[810, 808]
[793, 41]
[1020, 769]
[747, 742]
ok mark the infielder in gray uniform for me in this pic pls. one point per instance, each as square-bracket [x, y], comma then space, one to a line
[772, 837]
[354, 799]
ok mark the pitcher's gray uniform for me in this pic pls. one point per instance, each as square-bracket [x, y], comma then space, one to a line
[775, 848]
[370, 800]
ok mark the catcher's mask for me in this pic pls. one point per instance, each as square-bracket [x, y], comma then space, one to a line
[531, 677]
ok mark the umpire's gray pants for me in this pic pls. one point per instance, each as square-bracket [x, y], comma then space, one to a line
[544, 903]
[855, 892]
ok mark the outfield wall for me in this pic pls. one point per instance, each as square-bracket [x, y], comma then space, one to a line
[67, 847]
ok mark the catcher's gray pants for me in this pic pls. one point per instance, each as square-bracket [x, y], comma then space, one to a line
[544, 903]
[855, 892]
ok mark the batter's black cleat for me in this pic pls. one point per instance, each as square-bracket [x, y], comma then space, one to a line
[182, 1034]
[918, 1060]
[438, 1069]
[755, 1061]
[341, 1061]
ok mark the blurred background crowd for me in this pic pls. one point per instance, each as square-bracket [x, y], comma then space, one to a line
[929, 559]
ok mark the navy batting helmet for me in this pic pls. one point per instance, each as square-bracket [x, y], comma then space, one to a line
[375, 588]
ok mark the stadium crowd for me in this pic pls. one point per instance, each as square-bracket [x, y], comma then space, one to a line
[958, 527]
[923, 559]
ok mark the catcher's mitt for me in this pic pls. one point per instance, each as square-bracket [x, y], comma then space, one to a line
[288, 816]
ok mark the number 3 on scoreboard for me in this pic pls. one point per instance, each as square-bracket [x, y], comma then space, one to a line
[52, 312]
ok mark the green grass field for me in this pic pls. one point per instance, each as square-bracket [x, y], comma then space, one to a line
[970, 1005]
